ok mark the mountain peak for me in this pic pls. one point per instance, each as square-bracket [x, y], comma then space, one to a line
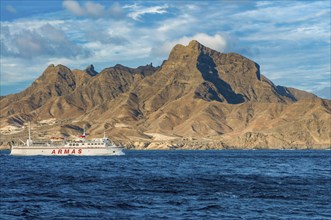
[90, 70]
[61, 66]
[52, 70]
[180, 52]
[194, 44]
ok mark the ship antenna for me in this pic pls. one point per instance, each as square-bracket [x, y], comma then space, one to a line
[104, 134]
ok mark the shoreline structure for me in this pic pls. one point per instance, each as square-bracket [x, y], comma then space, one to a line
[186, 144]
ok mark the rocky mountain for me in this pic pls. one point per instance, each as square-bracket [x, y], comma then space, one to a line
[198, 98]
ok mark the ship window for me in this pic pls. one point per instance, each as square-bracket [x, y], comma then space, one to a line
[70, 144]
[82, 143]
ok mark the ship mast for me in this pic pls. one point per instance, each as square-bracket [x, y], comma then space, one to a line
[29, 140]
[29, 131]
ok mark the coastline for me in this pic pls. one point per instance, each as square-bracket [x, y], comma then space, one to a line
[207, 146]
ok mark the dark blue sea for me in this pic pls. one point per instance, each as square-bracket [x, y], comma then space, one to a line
[226, 184]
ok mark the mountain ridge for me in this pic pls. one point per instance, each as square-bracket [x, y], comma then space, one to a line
[198, 95]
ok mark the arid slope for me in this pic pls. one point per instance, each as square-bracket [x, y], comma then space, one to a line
[199, 98]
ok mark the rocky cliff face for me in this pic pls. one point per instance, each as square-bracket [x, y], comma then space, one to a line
[198, 98]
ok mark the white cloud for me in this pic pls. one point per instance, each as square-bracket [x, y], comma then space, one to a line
[304, 32]
[324, 92]
[16, 70]
[287, 12]
[91, 9]
[263, 3]
[116, 10]
[94, 9]
[43, 40]
[11, 9]
[178, 24]
[138, 11]
[216, 42]
[30, 24]
[73, 7]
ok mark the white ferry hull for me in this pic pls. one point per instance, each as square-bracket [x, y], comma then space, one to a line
[64, 151]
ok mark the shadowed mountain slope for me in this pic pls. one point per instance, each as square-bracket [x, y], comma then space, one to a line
[199, 97]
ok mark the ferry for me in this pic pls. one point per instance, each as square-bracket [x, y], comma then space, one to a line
[62, 147]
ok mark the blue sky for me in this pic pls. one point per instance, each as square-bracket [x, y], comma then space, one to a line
[289, 39]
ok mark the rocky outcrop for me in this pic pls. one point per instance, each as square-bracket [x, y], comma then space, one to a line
[199, 98]
[90, 70]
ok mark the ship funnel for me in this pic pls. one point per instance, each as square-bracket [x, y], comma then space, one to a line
[83, 136]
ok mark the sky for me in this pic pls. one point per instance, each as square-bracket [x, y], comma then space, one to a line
[289, 39]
